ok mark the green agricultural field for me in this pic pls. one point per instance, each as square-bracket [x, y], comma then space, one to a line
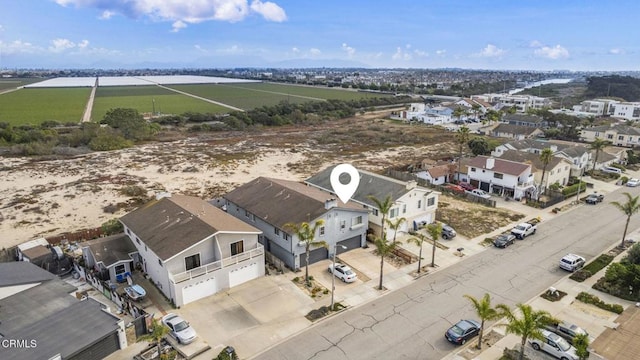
[145, 98]
[14, 83]
[37, 105]
[251, 95]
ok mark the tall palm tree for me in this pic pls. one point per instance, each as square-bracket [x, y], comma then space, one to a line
[418, 240]
[395, 225]
[434, 230]
[546, 155]
[158, 332]
[484, 311]
[462, 138]
[597, 145]
[527, 324]
[629, 208]
[384, 248]
[458, 112]
[384, 206]
[307, 235]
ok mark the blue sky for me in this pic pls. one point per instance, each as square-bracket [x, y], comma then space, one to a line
[474, 34]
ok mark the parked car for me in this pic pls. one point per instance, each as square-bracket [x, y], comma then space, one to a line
[343, 272]
[555, 345]
[525, 229]
[611, 170]
[455, 188]
[179, 328]
[448, 232]
[504, 240]
[466, 186]
[566, 330]
[572, 262]
[462, 331]
[594, 198]
[479, 193]
[633, 182]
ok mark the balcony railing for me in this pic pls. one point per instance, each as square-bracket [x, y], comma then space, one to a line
[217, 265]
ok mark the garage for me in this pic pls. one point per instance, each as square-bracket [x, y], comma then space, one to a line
[244, 274]
[199, 290]
[351, 243]
[101, 349]
[315, 255]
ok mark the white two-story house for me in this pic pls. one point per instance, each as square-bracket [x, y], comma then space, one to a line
[618, 135]
[270, 204]
[190, 249]
[503, 177]
[417, 205]
[558, 170]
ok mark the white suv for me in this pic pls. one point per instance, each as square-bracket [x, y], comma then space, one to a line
[572, 262]
[555, 345]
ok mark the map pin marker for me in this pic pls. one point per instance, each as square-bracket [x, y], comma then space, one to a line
[345, 191]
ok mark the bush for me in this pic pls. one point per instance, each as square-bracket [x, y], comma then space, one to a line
[573, 189]
[594, 300]
[580, 275]
[599, 263]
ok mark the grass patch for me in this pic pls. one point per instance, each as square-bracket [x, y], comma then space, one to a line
[37, 105]
[594, 300]
[593, 267]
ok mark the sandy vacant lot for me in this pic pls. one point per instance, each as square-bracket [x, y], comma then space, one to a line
[41, 198]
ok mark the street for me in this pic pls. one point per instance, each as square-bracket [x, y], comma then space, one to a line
[410, 322]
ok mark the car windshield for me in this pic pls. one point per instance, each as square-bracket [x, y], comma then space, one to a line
[348, 272]
[563, 344]
[457, 330]
[566, 261]
[520, 227]
[181, 326]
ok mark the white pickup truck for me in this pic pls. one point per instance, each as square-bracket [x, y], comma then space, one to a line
[525, 229]
[478, 193]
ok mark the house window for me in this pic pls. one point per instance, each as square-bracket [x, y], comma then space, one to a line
[431, 201]
[321, 230]
[120, 269]
[287, 236]
[498, 175]
[159, 262]
[356, 221]
[404, 208]
[237, 247]
[610, 136]
[192, 262]
[393, 213]
[473, 169]
[138, 240]
[343, 224]
[276, 231]
[419, 204]
[620, 137]
[246, 213]
[375, 212]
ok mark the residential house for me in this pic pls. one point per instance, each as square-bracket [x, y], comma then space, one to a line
[190, 249]
[523, 103]
[111, 257]
[437, 115]
[46, 322]
[36, 251]
[524, 120]
[503, 177]
[618, 134]
[597, 107]
[626, 110]
[437, 174]
[414, 203]
[270, 204]
[558, 170]
[517, 132]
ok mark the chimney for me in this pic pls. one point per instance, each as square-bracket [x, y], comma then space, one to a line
[490, 163]
[411, 184]
[330, 203]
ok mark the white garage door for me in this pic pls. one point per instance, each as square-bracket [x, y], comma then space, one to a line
[244, 274]
[199, 290]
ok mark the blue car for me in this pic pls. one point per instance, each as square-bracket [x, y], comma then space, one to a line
[462, 331]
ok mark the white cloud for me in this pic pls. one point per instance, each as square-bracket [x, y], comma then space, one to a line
[535, 44]
[441, 52]
[83, 44]
[234, 49]
[178, 25]
[17, 47]
[491, 51]
[60, 45]
[200, 48]
[348, 49]
[554, 53]
[189, 12]
[420, 53]
[617, 51]
[315, 52]
[401, 55]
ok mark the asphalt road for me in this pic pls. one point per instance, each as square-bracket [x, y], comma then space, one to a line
[410, 323]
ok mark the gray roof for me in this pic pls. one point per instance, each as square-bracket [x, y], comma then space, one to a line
[515, 129]
[22, 272]
[172, 224]
[371, 184]
[618, 128]
[530, 158]
[278, 202]
[111, 249]
[57, 321]
[523, 118]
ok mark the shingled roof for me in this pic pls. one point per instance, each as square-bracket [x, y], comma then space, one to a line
[279, 201]
[530, 158]
[500, 166]
[172, 224]
[111, 249]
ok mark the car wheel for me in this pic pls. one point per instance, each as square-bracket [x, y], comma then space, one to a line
[534, 230]
[464, 341]
[344, 280]
[535, 346]
[445, 237]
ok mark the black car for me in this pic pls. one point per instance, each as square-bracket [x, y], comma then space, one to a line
[462, 331]
[594, 198]
[448, 232]
[504, 240]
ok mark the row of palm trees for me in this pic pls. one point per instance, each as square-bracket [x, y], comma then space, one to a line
[522, 321]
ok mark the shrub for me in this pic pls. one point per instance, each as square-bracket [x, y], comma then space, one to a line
[599, 263]
[594, 300]
[580, 275]
[573, 189]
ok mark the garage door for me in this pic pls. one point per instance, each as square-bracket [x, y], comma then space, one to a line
[244, 274]
[101, 349]
[199, 290]
[351, 243]
[314, 256]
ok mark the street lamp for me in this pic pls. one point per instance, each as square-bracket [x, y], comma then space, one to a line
[333, 274]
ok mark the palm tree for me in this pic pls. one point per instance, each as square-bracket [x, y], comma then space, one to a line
[484, 311]
[581, 343]
[395, 225]
[462, 138]
[307, 235]
[630, 207]
[384, 206]
[418, 240]
[434, 230]
[158, 332]
[458, 112]
[384, 248]
[597, 145]
[546, 155]
[527, 325]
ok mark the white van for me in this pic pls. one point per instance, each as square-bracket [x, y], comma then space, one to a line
[613, 170]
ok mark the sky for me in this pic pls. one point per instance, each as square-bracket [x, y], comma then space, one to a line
[579, 35]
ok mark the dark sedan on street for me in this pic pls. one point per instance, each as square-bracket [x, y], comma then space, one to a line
[462, 331]
[504, 240]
